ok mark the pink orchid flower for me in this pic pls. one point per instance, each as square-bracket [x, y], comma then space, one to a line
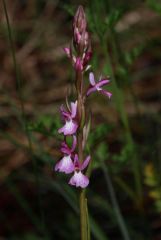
[79, 179]
[69, 117]
[66, 164]
[98, 86]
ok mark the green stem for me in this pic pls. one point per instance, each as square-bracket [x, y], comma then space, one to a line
[83, 216]
[81, 113]
[88, 223]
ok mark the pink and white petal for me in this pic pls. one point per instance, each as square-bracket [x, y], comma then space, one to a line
[79, 180]
[74, 143]
[103, 82]
[91, 79]
[65, 165]
[85, 163]
[69, 128]
[61, 130]
[73, 109]
[106, 93]
[91, 90]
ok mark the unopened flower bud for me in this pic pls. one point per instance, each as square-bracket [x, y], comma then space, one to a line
[78, 65]
[80, 35]
[80, 23]
[87, 57]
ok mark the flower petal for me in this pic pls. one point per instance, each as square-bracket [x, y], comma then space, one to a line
[73, 109]
[79, 180]
[102, 82]
[91, 90]
[91, 79]
[69, 128]
[87, 58]
[74, 143]
[76, 162]
[65, 165]
[106, 93]
[85, 163]
[64, 113]
[65, 150]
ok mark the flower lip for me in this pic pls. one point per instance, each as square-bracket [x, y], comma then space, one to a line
[69, 128]
[79, 180]
[65, 165]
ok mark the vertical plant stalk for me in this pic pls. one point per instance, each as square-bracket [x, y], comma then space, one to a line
[83, 216]
[88, 223]
[82, 46]
[81, 113]
[23, 117]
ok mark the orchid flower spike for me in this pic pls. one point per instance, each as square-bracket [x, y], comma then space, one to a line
[98, 86]
[79, 179]
[81, 43]
[66, 164]
[69, 117]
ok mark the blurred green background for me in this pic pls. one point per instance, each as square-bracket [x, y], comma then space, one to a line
[125, 139]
